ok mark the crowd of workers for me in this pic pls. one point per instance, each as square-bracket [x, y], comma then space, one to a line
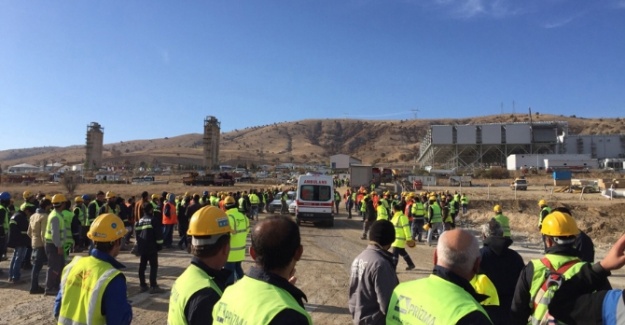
[490, 285]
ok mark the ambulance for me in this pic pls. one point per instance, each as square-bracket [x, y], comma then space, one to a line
[314, 200]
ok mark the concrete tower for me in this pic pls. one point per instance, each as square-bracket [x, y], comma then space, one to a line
[212, 132]
[95, 138]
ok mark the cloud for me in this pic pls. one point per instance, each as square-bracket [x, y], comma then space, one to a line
[620, 4]
[480, 8]
[558, 23]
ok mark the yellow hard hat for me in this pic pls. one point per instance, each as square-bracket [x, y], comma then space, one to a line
[155, 196]
[110, 195]
[78, 199]
[229, 200]
[411, 243]
[559, 224]
[47, 197]
[58, 199]
[107, 228]
[209, 221]
[432, 198]
[27, 194]
[497, 208]
[542, 202]
[426, 227]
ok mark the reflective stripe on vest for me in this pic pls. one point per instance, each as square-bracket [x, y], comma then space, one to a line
[240, 224]
[90, 274]
[233, 309]
[483, 285]
[539, 277]
[48, 235]
[418, 209]
[428, 301]
[192, 280]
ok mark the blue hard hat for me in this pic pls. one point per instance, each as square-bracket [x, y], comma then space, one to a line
[5, 196]
[86, 197]
[205, 193]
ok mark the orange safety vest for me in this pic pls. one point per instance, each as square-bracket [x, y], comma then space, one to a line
[173, 217]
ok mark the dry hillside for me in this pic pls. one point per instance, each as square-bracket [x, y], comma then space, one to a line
[308, 141]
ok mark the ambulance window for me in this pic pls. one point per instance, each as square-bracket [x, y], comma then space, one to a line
[316, 193]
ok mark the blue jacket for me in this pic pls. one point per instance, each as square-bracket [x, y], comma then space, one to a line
[115, 305]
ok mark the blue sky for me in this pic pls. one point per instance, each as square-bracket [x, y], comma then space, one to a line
[153, 69]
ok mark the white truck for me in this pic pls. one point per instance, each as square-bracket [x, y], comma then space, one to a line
[360, 175]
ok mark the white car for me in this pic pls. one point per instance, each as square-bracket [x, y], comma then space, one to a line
[276, 204]
[292, 207]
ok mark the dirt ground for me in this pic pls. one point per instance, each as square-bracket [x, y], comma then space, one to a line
[323, 272]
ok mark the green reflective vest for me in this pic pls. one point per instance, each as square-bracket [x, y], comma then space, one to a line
[7, 216]
[192, 280]
[97, 210]
[540, 215]
[254, 199]
[402, 229]
[68, 216]
[25, 204]
[214, 201]
[233, 309]
[505, 224]
[430, 300]
[82, 214]
[382, 212]
[240, 226]
[83, 284]
[539, 277]
[437, 214]
[417, 209]
[483, 285]
[55, 215]
[464, 200]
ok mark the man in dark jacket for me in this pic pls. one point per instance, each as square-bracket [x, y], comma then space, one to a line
[502, 265]
[183, 219]
[369, 216]
[19, 240]
[373, 276]
[149, 241]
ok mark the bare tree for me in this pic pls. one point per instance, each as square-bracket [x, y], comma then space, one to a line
[70, 181]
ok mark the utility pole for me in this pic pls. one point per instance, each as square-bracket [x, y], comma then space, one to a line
[414, 112]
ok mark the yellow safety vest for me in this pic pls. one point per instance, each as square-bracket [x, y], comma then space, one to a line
[254, 199]
[382, 213]
[192, 280]
[83, 284]
[483, 285]
[431, 300]
[232, 309]
[540, 275]
[7, 216]
[540, 218]
[68, 216]
[82, 215]
[437, 215]
[505, 224]
[240, 225]
[51, 216]
[97, 210]
[402, 229]
[417, 209]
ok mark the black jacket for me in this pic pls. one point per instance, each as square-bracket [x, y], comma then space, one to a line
[18, 228]
[586, 248]
[149, 235]
[502, 265]
[370, 213]
[199, 308]
[520, 308]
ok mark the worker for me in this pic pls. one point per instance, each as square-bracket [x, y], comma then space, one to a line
[110, 206]
[29, 199]
[19, 241]
[214, 199]
[544, 211]
[434, 219]
[417, 210]
[502, 220]
[276, 249]
[240, 226]
[37, 233]
[80, 212]
[149, 242]
[402, 237]
[446, 296]
[72, 229]
[5, 215]
[170, 219]
[560, 231]
[502, 266]
[369, 215]
[382, 212]
[373, 276]
[199, 287]
[254, 203]
[55, 238]
[581, 300]
[93, 289]
[464, 201]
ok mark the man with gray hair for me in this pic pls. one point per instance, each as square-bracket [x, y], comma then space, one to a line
[428, 300]
[502, 266]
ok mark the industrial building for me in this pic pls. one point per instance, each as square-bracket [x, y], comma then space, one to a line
[598, 146]
[551, 161]
[94, 146]
[212, 133]
[451, 146]
[342, 161]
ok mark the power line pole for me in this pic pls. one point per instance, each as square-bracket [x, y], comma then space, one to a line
[414, 112]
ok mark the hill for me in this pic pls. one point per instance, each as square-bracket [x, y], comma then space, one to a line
[308, 141]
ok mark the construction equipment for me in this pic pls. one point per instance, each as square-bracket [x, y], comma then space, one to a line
[213, 179]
